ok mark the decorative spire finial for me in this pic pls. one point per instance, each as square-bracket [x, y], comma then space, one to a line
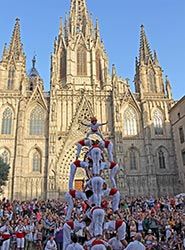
[144, 51]
[60, 27]
[15, 44]
[34, 62]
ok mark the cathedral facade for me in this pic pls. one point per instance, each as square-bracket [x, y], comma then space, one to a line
[38, 129]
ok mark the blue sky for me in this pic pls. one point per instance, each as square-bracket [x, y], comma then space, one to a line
[119, 20]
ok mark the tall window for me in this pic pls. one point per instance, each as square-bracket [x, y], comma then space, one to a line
[5, 156]
[158, 122]
[63, 64]
[98, 67]
[151, 81]
[81, 61]
[162, 161]
[36, 162]
[133, 159]
[130, 122]
[6, 128]
[181, 134]
[37, 119]
[11, 77]
[183, 157]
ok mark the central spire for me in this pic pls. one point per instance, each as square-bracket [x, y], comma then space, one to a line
[145, 52]
[78, 16]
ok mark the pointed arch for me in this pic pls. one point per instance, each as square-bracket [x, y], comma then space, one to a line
[98, 66]
[130, 127]
[162, 157]
[37, 121]
[5, 155]
[36, 161]
[81, 61]
[63, 64]
[133, 158]
[11, 78]
[158, 121]
[7, 121]
[151, 82]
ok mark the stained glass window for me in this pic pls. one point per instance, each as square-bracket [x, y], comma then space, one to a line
[6, 128]
[36, 162]
[130, 122]
[37, 120]
[81, 61]
[158, 122]
[162, 161]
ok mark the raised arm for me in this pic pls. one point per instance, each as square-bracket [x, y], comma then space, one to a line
[87, 125]
[104, 123]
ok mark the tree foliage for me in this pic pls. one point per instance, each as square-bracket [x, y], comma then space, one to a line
[4, 171]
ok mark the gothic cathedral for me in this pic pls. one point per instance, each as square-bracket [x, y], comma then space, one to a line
[38, 128]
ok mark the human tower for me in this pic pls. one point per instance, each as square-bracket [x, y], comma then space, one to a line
[95, 193]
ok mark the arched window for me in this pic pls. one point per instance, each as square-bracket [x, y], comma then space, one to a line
[63, 64]
[162, 160]
[36, 162]
[81, 61]
[5, 156]
[11, 77]
[133, 159]
[98, 67]
[151, 81]
[7, 118]
[130, 122]
[37, 120]
[158, 122]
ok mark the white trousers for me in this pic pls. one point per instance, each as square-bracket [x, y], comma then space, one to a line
[78, 149]
[20, 242]
[96, 157]
[110, 151]
[70, 206]
[66, 236]
[98, 220]
[5, 245]
[115, 201]
[97, 185]
[98, 247]
[112, 173]
[72, 175]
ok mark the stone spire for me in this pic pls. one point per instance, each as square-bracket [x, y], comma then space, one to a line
[97, 29]
[15, 48]
[79, 17]
[144, 51]
[60, 27]
[156, 61]
[168, 88]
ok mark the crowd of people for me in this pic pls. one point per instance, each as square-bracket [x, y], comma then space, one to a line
[157, 223]
[95, 218]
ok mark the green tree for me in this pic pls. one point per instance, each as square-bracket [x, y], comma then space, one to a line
[4, 171]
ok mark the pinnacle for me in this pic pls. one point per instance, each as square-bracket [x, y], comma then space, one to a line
[15, 44]
[145, 51]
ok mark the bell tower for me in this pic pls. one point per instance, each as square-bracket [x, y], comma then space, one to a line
[148, 77]
[13, 63]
